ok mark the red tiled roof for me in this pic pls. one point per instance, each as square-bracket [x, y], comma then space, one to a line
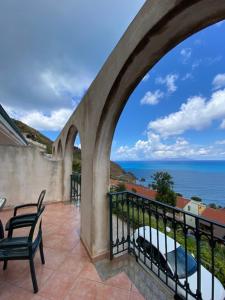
[146, 192]
[141, 190]
[217, 215]
[181, 202]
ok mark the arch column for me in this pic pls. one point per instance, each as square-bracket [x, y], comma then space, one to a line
[158, 27]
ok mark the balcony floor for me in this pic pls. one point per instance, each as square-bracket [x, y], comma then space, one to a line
[68, 272]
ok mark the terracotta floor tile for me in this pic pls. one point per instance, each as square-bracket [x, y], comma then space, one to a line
[53, 258]
[136, 296]
[54, 241]
[83, 290]
[90, 272]
[79, 250]
[42, 275]
[14, 272]
[121, 281]
[74, 264]
[68, 273]
[111, 293]
[58, 286]
[10, 292]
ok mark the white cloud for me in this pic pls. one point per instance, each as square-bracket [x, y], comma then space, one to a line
[78, 145]
[219, 81]
[146, 77]
[196, 113]
[155, 148]
[213, 60]
[152, 98]
[40, 121]
[169, 80]
[55, 121]
[51, 56]
[220, 142]
[62, 84]
[207, 61]
[196, 64]
[222, 125]
[186, 54]
[187, 76]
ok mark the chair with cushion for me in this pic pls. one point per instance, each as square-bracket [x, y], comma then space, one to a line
[24, 247]
[26, 220]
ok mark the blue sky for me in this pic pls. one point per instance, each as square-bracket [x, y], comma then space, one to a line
[177, 111]
[48, 62]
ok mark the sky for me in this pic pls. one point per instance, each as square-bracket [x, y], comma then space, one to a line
[50, 53]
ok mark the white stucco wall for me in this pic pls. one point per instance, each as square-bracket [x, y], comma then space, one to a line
[24, 172]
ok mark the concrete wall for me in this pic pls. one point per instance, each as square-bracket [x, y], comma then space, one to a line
[24, 172]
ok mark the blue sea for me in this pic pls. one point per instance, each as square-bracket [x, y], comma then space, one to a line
[205, 179]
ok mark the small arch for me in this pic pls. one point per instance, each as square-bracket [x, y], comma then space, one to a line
[53, 150]
[70, 137]
[59, 150]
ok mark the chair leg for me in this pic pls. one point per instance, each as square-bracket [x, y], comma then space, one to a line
[5, 265]
[33, 275]
[42, 252]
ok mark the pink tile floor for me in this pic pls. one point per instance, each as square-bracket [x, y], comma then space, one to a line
[68, 272]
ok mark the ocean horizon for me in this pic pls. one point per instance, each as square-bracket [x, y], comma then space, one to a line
[202, 178]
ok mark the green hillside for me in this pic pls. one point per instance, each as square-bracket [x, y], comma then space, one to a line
[116, 172]
[35, 135]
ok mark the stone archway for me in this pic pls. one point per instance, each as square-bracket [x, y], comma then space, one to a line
[59, 153]
[159, 26]
[68, 159]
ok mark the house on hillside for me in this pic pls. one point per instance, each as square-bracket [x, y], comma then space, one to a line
[216, 215]
[195, 208]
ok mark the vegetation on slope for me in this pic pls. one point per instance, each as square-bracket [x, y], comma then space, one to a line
[35, 135]
[115, 170]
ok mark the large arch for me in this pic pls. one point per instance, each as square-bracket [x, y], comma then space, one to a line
[159, 26]
[68, 159]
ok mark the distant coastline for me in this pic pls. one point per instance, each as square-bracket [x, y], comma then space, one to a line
[203, 178]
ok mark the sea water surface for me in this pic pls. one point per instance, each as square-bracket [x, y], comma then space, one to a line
[205, 179]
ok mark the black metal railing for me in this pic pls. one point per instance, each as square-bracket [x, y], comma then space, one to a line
[75, 187]
[186, 251]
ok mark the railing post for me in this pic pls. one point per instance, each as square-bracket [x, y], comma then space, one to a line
[71, 195]
[128, 221]
[198, 257]
[111, 226]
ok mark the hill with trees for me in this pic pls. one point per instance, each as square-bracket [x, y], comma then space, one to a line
[116, 171]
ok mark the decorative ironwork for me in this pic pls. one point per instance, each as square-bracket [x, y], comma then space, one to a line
[154, 231]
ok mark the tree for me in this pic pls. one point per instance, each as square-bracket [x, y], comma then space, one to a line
[196, 198]
[179, 195]
[120, 187]
[212, 205]
[163, 184]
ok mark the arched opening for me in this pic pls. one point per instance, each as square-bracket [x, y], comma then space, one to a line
[147, 53]
[59, 150]
[72, 166]
[197, 107]
[53, 150]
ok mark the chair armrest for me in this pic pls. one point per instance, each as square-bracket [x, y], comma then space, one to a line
[13, 243]
[24, 206]
[19, 222]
